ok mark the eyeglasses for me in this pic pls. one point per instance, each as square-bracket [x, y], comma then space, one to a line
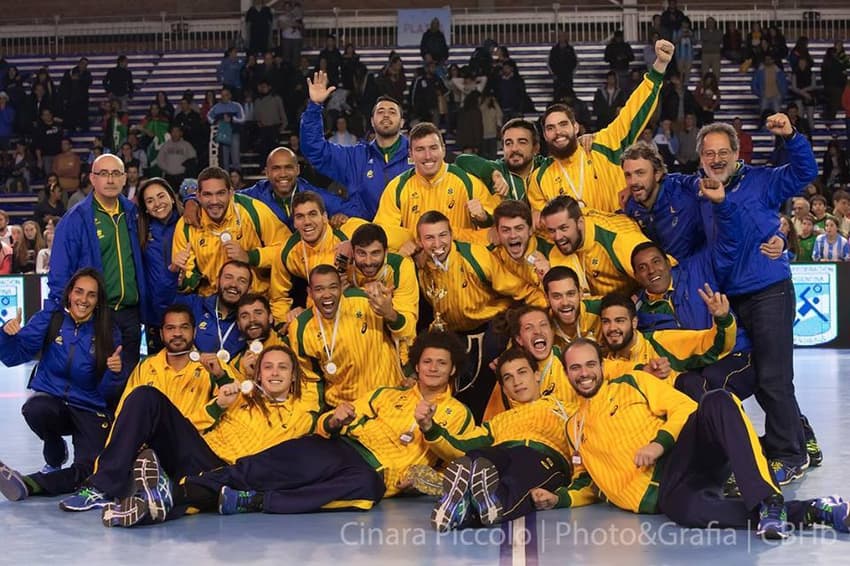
[104, 174]
[722, 154]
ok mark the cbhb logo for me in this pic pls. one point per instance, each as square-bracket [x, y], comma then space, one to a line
[816, 316]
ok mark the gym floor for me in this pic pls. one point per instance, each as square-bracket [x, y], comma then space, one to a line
[397, 531]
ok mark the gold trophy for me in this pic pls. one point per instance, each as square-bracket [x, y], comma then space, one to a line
[436, 294]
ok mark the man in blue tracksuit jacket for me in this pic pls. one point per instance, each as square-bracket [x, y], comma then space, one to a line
[102, 231]
[365, 169]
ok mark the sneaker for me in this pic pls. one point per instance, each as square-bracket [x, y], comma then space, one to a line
[127, 512]
[773, 519]
[426, 480]
[232, 501]
[812, 446]
[831, 511]
[12, 484]
[86, 499]
[730, 488]
[153, 485]
[485, 480]
[452, 511]
[785, 473]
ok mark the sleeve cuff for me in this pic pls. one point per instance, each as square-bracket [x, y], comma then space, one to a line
[254, 258]
[223, 380]
[214, 410]
[655, 76]
[564, 499]
[665, 439]
[398, 324]
[726, 321]
[435, 432]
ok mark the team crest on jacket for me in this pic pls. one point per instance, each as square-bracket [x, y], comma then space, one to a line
[370, 174]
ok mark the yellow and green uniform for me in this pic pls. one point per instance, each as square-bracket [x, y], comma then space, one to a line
[605, 255]
[522, 268]
[603, 178]
[364, 353]
[627, 413]
[383, 416]
[188, 389]
[478, 287]
[398, 274]
[250, 223]
[247, 428]
[685, 349]
[483, 169]
[295, 259]
[116, 251]
[274, 339]
[588, 324]
[409, 196]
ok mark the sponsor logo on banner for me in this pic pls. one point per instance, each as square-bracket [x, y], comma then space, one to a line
[816, 314]
[413, 23]
[11, 298]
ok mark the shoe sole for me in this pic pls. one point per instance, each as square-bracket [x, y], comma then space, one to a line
[146, 473]
[485, 480]
[455, 484]
[128, 512]
[772, 535]
[790, 479]
[12, 485]
[222, 502]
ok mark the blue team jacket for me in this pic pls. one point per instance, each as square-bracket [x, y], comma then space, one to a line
[361, 168]
[264, 192]
[158, 278]
[206, 333]
[67, 367]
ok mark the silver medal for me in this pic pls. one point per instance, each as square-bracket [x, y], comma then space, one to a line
[330, 368]
[223, 356]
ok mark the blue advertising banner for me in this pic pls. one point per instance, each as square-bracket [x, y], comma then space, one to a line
[11, 299]
[413, 23]
[816, 316]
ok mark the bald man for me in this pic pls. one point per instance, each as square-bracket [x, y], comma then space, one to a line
[101, 231]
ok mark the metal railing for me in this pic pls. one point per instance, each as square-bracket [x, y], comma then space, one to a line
[378, 28]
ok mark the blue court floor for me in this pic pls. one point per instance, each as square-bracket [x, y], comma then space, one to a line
[35, 531]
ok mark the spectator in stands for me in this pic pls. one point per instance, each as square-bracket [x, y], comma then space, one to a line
[189, 120]
[229, 72]
[707, 97]
[778, 47]
[756, 48]
[333, 57]
[649, 50]
[434, 44]
[26, 249]
[42, 260]
[85, 190]
[7, 121]
[43, 78]
[676, 100]
[67, 167]
[5, 230]
[393, 83]
[258, 27]
[341, 135]
[481, 60]
[792, 244]
[562, 63]
[770, 85]
[166, 109]
[38, 102]
[745, 149]
[115, 124]
[618, 55]
[841, 211]
[833, 79]
[470, 124]
[237, 179]
[667, 143]
[608, 101]
[228, 115]
[131, 186]
[74, 90]
[154, 128]
[836, 169]
[50, 206]
[684, 41]
[711, 43]
[807, 237]
[671, 20]
[251, 73]
[800, 124]
[18, 99]
[800, 51]
[424, 95]
[803, 86]
[733, 44]
[118, 82]
[819, 213]
[128, 156]
[492, 119]
[290, 23]
[800, 208]
[47, 141]
[207, 104]
[831, 246]
[350, 61]
[24, 163]
[176, 158]
[270, 117]
[511, 93]
[687, 155]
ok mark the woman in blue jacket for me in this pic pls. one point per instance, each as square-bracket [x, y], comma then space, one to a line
[74, 387]
[159, 211]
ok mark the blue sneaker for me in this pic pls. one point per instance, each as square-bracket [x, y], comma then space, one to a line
[232, 501]
[12, 484]
[784, 473]
[153, 485]
[773, 519]
[127, 512]
[86, 499]
[452, 511]
[485, 480]
[831, 511]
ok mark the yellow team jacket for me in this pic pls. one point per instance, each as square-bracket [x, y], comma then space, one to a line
[246, 428]
[274, 339]
[365, 354]
[627, 413]
[478, 287]
[409, 196]
[685, 349]
[189, 389]
[605, 254]
[603, 178]
[383, 416]
[296, 259]
[523, 269]
[249, 222]
[588, 324]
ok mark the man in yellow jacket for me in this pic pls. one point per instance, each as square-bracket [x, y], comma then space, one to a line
[572, 316]
[648, 449]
